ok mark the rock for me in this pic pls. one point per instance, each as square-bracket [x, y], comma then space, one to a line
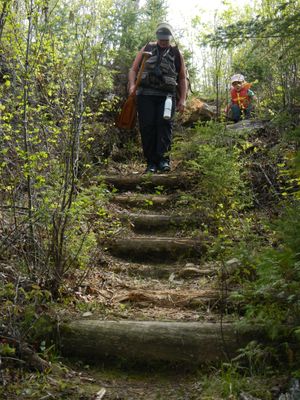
[172, 277]
[190, 272]
[87, 314]
[232, 265]
[197, 110]
[189, 265]
[293, 393]
[247, 396]
[233, 261]
[100, 394]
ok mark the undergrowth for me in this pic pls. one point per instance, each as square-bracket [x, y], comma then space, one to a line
[263, 236]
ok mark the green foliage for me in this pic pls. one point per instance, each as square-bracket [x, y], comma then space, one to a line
[222, 188]
[6, 350]
[25, 317]
[270, 293]
[273, 298]
[231, 380]
[222, 181]
[280, 21]
[60, 64]
[60, 60]
[259, 44]
[48, 97]
[256, 358]
[34, 326]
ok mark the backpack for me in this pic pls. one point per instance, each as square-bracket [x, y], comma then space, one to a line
[176, 52]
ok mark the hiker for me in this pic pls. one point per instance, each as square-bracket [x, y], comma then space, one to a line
[242, 99]
[163, 79]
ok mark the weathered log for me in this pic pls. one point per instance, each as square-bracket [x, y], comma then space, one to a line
[148, 341]
[142, 200]
[149, 180]
[248, 124]
[33, 359]
[164, 270]
[157, 271]
[158, 222]
[173, 298]
[26, 354]
[194, 272]
[155, 248]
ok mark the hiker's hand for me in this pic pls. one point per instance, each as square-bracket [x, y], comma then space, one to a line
[131, 89]
[180, 106]
[227, 109]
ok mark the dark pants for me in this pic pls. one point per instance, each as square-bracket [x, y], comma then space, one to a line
[238, 114]
[156, 132]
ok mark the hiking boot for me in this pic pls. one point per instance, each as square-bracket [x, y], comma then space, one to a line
[164, 166]
[151, 168]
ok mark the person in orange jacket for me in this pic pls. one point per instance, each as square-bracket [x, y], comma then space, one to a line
[242, 98]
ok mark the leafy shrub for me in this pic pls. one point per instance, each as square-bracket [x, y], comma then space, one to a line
[273, 298]
[214, 155]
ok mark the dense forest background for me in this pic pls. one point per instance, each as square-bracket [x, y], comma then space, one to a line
[63, 77]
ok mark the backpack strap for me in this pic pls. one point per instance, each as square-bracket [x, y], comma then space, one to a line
[148, 47]
[176, 53]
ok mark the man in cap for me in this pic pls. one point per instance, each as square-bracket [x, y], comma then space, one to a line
[164, 76]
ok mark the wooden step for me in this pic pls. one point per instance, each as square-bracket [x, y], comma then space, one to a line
[156, 248]
[211, 299]
[159, 222]
[165, 271]
[149, 341]
[144, 181]
[142, 200]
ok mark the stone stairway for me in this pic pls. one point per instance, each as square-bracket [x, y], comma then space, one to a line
[165, 302]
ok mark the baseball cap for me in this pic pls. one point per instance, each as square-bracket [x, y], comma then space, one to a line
[237, 78]
[164, 31]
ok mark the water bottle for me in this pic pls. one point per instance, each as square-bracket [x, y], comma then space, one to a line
[168, 107]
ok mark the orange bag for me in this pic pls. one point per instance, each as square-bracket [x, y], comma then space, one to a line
[127, 117]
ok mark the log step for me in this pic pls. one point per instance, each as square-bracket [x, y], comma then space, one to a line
[159, 222]
[149, 341]
[164, 271]
[144, 181]
[190, 299]
[142, 200]
[155, 248]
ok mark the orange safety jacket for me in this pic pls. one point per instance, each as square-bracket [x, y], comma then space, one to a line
[241, 98]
